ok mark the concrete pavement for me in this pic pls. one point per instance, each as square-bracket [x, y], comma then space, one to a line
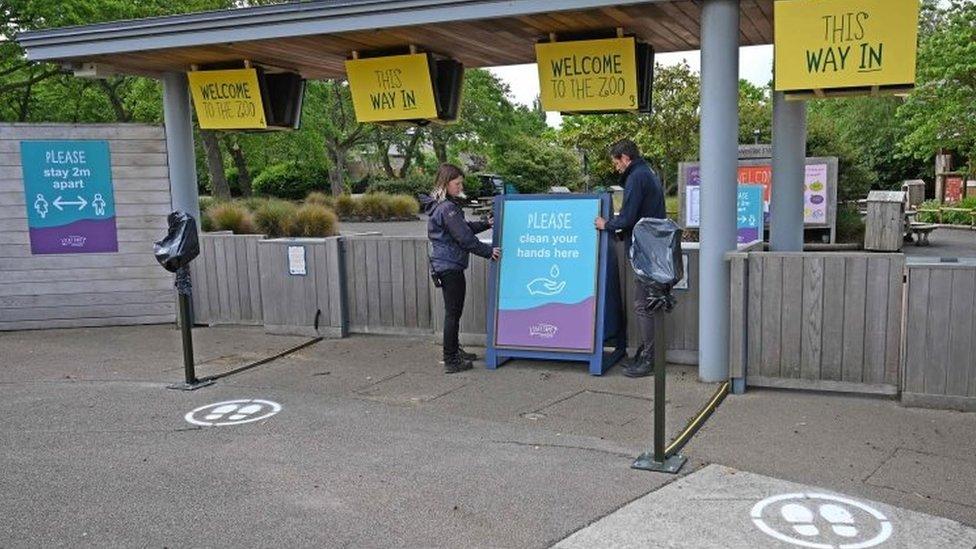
[373, 446]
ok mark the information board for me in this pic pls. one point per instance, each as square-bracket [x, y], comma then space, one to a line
[227, 99]
[392, 88]
[547, 284]
[69, 196]
[749, 220]
[588, 75]
[836, 44]
[816, 193]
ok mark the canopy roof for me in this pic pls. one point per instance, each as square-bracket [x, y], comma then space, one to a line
[314, 38]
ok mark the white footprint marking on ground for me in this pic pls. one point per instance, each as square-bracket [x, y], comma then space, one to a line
[840, 519]
[801, 518]
[221, 411]
[245, 411]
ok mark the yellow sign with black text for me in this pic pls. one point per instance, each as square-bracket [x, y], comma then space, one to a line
[228, 99]
[588, 75]
[392, 88]
[835, 44]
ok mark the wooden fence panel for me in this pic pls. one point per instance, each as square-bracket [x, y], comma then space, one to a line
[227, 281]
[939, 345]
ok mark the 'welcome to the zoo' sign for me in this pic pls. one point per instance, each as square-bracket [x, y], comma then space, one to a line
[837, 44]
[588, 75]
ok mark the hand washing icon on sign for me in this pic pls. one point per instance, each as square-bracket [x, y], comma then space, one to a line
[547, 286]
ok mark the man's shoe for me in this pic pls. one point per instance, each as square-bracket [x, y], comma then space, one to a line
[468, 356]
[642, 369]
[636, 359]
[454, 364]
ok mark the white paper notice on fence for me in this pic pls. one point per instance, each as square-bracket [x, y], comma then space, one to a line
[693, 215]
[683, 283]
[296, 261]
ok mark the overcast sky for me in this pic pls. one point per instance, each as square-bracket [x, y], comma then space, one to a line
[755, 65]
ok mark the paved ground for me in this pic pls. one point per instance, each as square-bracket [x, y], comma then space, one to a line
[946, 243]
[374, 447]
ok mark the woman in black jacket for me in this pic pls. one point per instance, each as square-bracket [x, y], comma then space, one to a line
[453, 239]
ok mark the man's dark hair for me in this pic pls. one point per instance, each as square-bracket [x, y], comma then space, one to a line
[625, 147]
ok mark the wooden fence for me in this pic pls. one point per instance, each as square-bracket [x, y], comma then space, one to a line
[227, 281]
[312, 304]
[93, 289]
[939, 347]
[817, 320]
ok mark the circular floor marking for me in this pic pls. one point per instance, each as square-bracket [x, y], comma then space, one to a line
[233, 412]
[821, 521]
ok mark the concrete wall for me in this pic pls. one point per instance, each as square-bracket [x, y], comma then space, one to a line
[71, 290]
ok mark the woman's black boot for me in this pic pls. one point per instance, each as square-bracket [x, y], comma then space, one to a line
[455, 363]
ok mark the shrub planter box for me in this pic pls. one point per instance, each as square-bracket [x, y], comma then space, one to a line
[226, 281]
[303, 287]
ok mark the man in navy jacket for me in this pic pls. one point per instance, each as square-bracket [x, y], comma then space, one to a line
[643, 197]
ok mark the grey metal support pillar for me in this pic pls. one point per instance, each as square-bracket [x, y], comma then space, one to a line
[789, 154]
[719, 158]
[179, 144]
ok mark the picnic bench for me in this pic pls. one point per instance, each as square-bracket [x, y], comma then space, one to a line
[921, 232]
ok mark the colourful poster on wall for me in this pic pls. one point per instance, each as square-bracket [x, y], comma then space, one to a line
[749, 219]
[815, 195]
[547, 284]
[69, 196]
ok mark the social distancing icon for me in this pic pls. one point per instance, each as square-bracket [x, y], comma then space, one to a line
[233, 412]
[821, 521]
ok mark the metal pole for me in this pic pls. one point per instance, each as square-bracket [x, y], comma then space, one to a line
[660, 367]
[789, 167]
[719, 155]
[179, 144]
[187, 335]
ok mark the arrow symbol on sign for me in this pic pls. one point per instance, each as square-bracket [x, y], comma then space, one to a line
[81, 203]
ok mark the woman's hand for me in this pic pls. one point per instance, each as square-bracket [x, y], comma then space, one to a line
[496, 253]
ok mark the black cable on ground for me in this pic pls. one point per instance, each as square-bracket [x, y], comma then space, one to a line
[698, 421]
[266, 360]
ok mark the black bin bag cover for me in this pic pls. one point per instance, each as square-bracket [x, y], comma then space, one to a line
[181, 244]
[655, 255]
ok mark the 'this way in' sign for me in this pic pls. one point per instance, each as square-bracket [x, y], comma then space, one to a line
[387, 89]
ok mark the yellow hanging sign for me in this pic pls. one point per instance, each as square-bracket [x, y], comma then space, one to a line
[831, 44]
[588, 75]
[392, 88]
[228, 99]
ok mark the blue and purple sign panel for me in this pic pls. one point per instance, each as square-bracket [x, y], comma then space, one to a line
[749, 220]
[69, 195]
[547, 281]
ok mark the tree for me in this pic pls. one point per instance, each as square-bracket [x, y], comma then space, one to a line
[329, 112]
[940, 113]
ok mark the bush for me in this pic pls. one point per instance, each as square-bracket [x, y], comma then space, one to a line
[949, 217]
[346, 206]
[412, 185]
[314, 220]
[206, 202]
[404, 206]
[290, 181]
[534, 166]
[320, 199]
[253, 203]
[275, 218]
[850, 225]
[231, 216]
[376, 205]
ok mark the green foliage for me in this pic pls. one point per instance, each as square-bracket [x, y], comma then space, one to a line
[411, 185]
[320, 199]
[205, 203]
[346, 206]
[948, 217]
[253, 203]
[313, 220]
[290, 181]
[535, 165]
[375, 205]
[854, 178]
[940, 113]
[850, 225]
[275, 218]
[231, 216]
[404, 206]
